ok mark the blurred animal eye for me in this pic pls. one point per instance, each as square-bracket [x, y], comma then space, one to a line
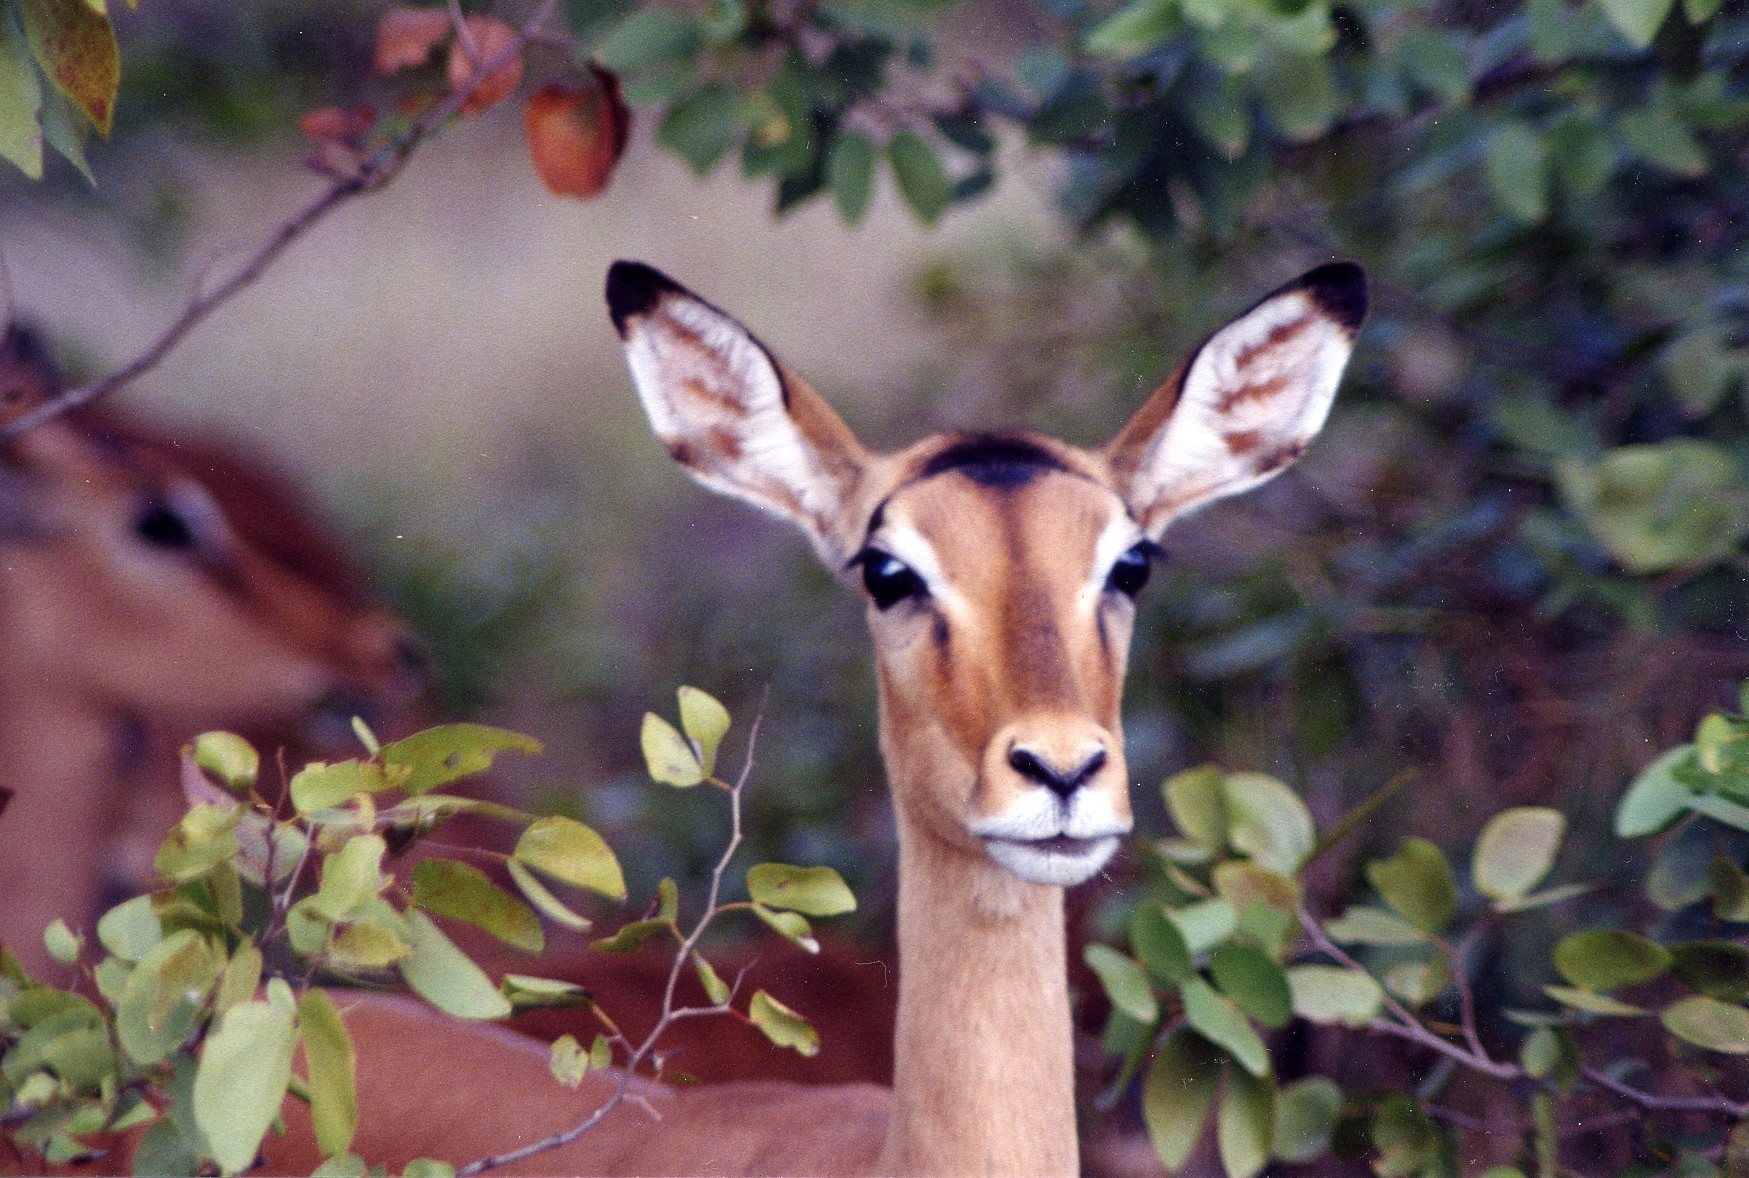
[888, 579]
[161, 526]
[1130, 572]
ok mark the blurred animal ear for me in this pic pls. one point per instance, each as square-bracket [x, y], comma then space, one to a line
[734, 417]
[1246, 405]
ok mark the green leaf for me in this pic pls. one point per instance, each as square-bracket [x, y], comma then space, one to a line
[1606, 959]
[318, 786]
[850, 172]
[333, 1068]
[428, 1168]
[1245, 1123]
[527, 993]
[1437, 63]
[1592, 1002]
[1205, 924]
[1365, 925]
[1659, 506]
[788, 925]
[160, 1004]
[1417, 884]
[204, 838]
[228, 757]
[1177, 1094]
[446, 977]
[1656, 136]
[1656, 798]
[667, 756]
[922, 180]
[1727, 883]
[75, 46]
[567, 1061]
[705, 722]
[632, 936]
[1298, 93]
[715, 988]
[1251, 978]
[245, 1067]
[545, 902]
[572, 853]
[1221, 114]
[1717, 969]
[667, 900]
[1418, 982]
[782, 1025]
[1305, 1119]
[1216, 1018]
[1133, 29]
[61, 942]
[1158, 943]
[1700, 369]
[1515, 851]
[351, 877]
[1268, 822]
[460, 892]
[1637, 20]
[1334, 994]
[649, 37]
[1403, 1135]
[814, 891]
[1582, 154]
[240, 979]
[21, 137]
[1518, 171]
[438, 756]
[700, 129]
[1709, 1023]
[1124, 982]
[1197, 801]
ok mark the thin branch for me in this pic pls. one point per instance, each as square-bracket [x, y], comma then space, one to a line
[1652, 1102]
[670, 1014]
[382, 166]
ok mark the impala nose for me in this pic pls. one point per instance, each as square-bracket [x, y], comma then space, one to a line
[1060, 780]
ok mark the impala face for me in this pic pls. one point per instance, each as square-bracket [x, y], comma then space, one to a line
[1001, 569]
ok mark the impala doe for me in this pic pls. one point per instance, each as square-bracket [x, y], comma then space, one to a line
[150, 588]
[1000, 572]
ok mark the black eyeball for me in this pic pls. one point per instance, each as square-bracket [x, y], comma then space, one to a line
[888, 579]
[159, 524]
[1130, 572]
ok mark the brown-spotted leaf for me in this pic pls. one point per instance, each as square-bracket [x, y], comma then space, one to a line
[576, 134]
[406, 38]
[490, 37]
[75, 45]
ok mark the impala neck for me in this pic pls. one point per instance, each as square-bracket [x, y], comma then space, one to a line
[983, 1080]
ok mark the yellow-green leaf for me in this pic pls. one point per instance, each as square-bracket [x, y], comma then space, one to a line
[705, 722]
[568, 1062]
[1124, 981]
[1416, 882]
[537, 894]
[667, 756]
[792, 926]
[1177, 1095]
[228, 757]
[438, 756]
[1267, 821]
[1333, 994]
[572, 853]
[1515, 851]
[782, 1025]
[814, 891]
[446, 977]
[333, 1068]
[1245, 1123]
[351, 877]
[1709, 1023]
[21, 136]
[1216, 1018]
[245, 1067]
[1604, 959]
[715, 988]
[460, 892]
[632, 936]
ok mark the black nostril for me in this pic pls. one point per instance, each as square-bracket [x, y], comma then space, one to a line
[1032, 767]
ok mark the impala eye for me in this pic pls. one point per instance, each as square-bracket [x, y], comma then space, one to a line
[161, 526]
[1130, 572]
[888, 579]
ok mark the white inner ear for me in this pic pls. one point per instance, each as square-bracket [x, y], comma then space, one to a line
[1254, 397]
[715, 399]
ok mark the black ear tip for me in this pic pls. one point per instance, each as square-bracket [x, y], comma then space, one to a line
[1339, 289]
[633, 289]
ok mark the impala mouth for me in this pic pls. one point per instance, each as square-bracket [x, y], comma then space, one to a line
[1058, 859]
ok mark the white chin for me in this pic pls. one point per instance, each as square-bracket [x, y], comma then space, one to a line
[1064, 862]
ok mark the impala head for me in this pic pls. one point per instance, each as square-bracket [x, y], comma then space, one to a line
[169, 581]
[1001, 569]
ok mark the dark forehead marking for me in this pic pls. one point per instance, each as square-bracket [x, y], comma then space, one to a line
[993, 460]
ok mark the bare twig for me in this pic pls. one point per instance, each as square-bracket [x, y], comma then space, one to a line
[1652, 1102]
[637, 1055]
[377, 170]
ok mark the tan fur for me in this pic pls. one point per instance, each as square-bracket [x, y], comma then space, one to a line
[113, 650]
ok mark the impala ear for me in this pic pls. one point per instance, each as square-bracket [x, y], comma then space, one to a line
[731, 414]
[1247, 404]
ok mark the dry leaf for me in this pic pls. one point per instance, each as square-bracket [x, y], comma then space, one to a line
[490, 37]
[406, 37]
[347, 125]
[577, 134]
